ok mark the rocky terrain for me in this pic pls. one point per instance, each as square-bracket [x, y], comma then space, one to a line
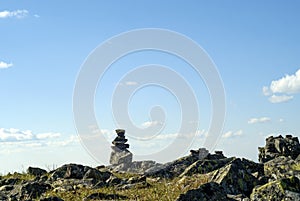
[199, 176]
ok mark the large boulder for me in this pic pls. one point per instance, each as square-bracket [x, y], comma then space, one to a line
[97, 175]
[283, 189]
[69, 171]
[282, 167]
[279, 146]
[36, 171]
[235, 178]
[172, 169]
[205, 166]
[120, 157]
[207, 192]
[29, 190]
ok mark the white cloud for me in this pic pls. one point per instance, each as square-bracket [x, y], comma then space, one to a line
[259, 120]
[290, 84]
[131, 83]
[281, 120]
[15, 135]
[151, 123]
[47, 135]
[15, 140]
[71, 140]
[14, 13]
[5, 65]
[280, 90]
[266, 91]
[231, 134]
[279, 99]
[128, 83]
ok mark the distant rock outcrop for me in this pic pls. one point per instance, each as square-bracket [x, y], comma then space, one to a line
[279, 146]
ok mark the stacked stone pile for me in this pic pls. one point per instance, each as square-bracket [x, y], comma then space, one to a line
[120, 153]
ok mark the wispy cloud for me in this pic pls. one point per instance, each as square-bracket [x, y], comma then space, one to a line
[280, 90]
[280, 99]
[259, 120]
[5, 65]
[47, 135]
[151, 123]
[231, 134]
[128, 83]
[12, 138]
[13, 14]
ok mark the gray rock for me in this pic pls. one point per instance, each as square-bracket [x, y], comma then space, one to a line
[119, 157]
[36, 171]
[239, 197]
[279, 146]
[69, 171]
[172, 169]
[6, 188]
[206, 192]
[114, 181]
[29, 190]
[281, 167]
[235, 178]
[97, 175]
[205, 166]
[138, 167]
[284, 189]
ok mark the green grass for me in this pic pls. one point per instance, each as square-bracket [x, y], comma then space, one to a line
[163, 190]
[21, 176]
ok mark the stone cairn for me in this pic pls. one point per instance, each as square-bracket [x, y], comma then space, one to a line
[202, 153]
[120, 154]
[279, 146]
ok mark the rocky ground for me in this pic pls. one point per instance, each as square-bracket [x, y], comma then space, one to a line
[212, 177]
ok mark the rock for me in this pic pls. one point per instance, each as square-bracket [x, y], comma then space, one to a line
[284, 189]
[29, 190]
[279, 146]
[138, 167]
[235, 178]
[206, 192]
[36, 171]
[205, 166]
[119, 156]
[172, 169]
[69, 171]
[113, 181]
[133, 180]
[64, 185]
[282, 167]
[6, 188]
[200, 154]
[97, 175]
[102, 196]
[9, 181]
[52, 198]
[3, 197]
[239, 197]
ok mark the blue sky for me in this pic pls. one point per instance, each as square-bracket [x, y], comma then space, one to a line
[255, 46]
